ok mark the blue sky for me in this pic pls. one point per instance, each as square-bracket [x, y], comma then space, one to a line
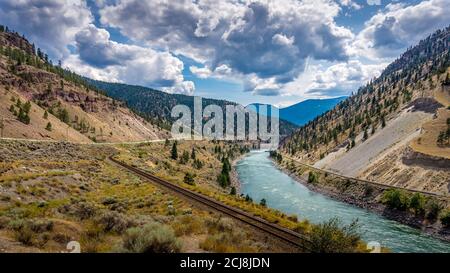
[278, 52]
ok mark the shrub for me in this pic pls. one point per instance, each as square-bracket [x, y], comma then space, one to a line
[82, 210]
[220, 224]
[40, 226]
[24, 235]
[368, 190]
[417, 203]
[4, 222]
[395, 199]
[49, 126]
[445, 219]
[187, 225]
[113, 221]
[151, 238]
[334, 237]
[433, 209]
[109, 201]
[248, 198]
[189, 179]
[263, 202]
[312, 178]
[17, 224]
[227, 242]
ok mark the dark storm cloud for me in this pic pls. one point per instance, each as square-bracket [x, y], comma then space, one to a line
[270, 40]
[95, 48]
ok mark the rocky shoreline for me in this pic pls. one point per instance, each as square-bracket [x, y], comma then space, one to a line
[373, 205]
[234, 177]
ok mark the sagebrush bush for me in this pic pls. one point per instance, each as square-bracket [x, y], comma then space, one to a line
[4, 222]
[220, 224]
[334, 237]
[24, 235]
[187, 225]
[40, 226]
[26, 231]
[151, 238]
[17, 224]
[112, 221]
[227, 242]
[81, 210]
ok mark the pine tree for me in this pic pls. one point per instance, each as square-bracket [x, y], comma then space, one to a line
[193, 154]
[45, 115]
[27, 107]
[366, 135]
[224, 177]
[263, 202]
[23, 116]
[48, 127]
[184, 157]
[174, 154]
[383, 121]
[63, 115]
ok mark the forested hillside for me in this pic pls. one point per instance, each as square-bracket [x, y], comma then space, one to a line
[393, 130]
[40, 100]
[416, 74]
[156, 105]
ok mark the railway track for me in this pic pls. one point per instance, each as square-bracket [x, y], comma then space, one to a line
[368, 182]
[284, 234]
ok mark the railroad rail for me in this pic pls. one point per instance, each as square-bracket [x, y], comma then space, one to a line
[289, 236]
[368, 182]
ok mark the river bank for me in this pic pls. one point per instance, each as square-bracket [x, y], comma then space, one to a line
[234, 177]
[365, 197]
[261, 179]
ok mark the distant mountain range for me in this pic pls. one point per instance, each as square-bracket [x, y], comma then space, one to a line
[301, 113]
[156, 105]
[305, 111]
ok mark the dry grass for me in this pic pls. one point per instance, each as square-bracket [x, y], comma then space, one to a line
[426, 143]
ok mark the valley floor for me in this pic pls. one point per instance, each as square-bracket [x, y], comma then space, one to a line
[53, 193]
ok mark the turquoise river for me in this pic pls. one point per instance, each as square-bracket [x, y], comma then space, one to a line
[260, 178]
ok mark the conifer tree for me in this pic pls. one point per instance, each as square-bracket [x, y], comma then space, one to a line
[48, 127]
[174, 154]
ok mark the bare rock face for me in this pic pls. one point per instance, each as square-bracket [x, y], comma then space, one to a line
[12, 39]
[427, 105]
[411, 157]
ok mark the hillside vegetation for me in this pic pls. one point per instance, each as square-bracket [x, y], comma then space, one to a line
[156, 105]
[395, 129]
[54, 193]
[39, 100]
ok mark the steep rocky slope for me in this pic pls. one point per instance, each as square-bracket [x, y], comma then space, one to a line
[41, 101]
[394, 130]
